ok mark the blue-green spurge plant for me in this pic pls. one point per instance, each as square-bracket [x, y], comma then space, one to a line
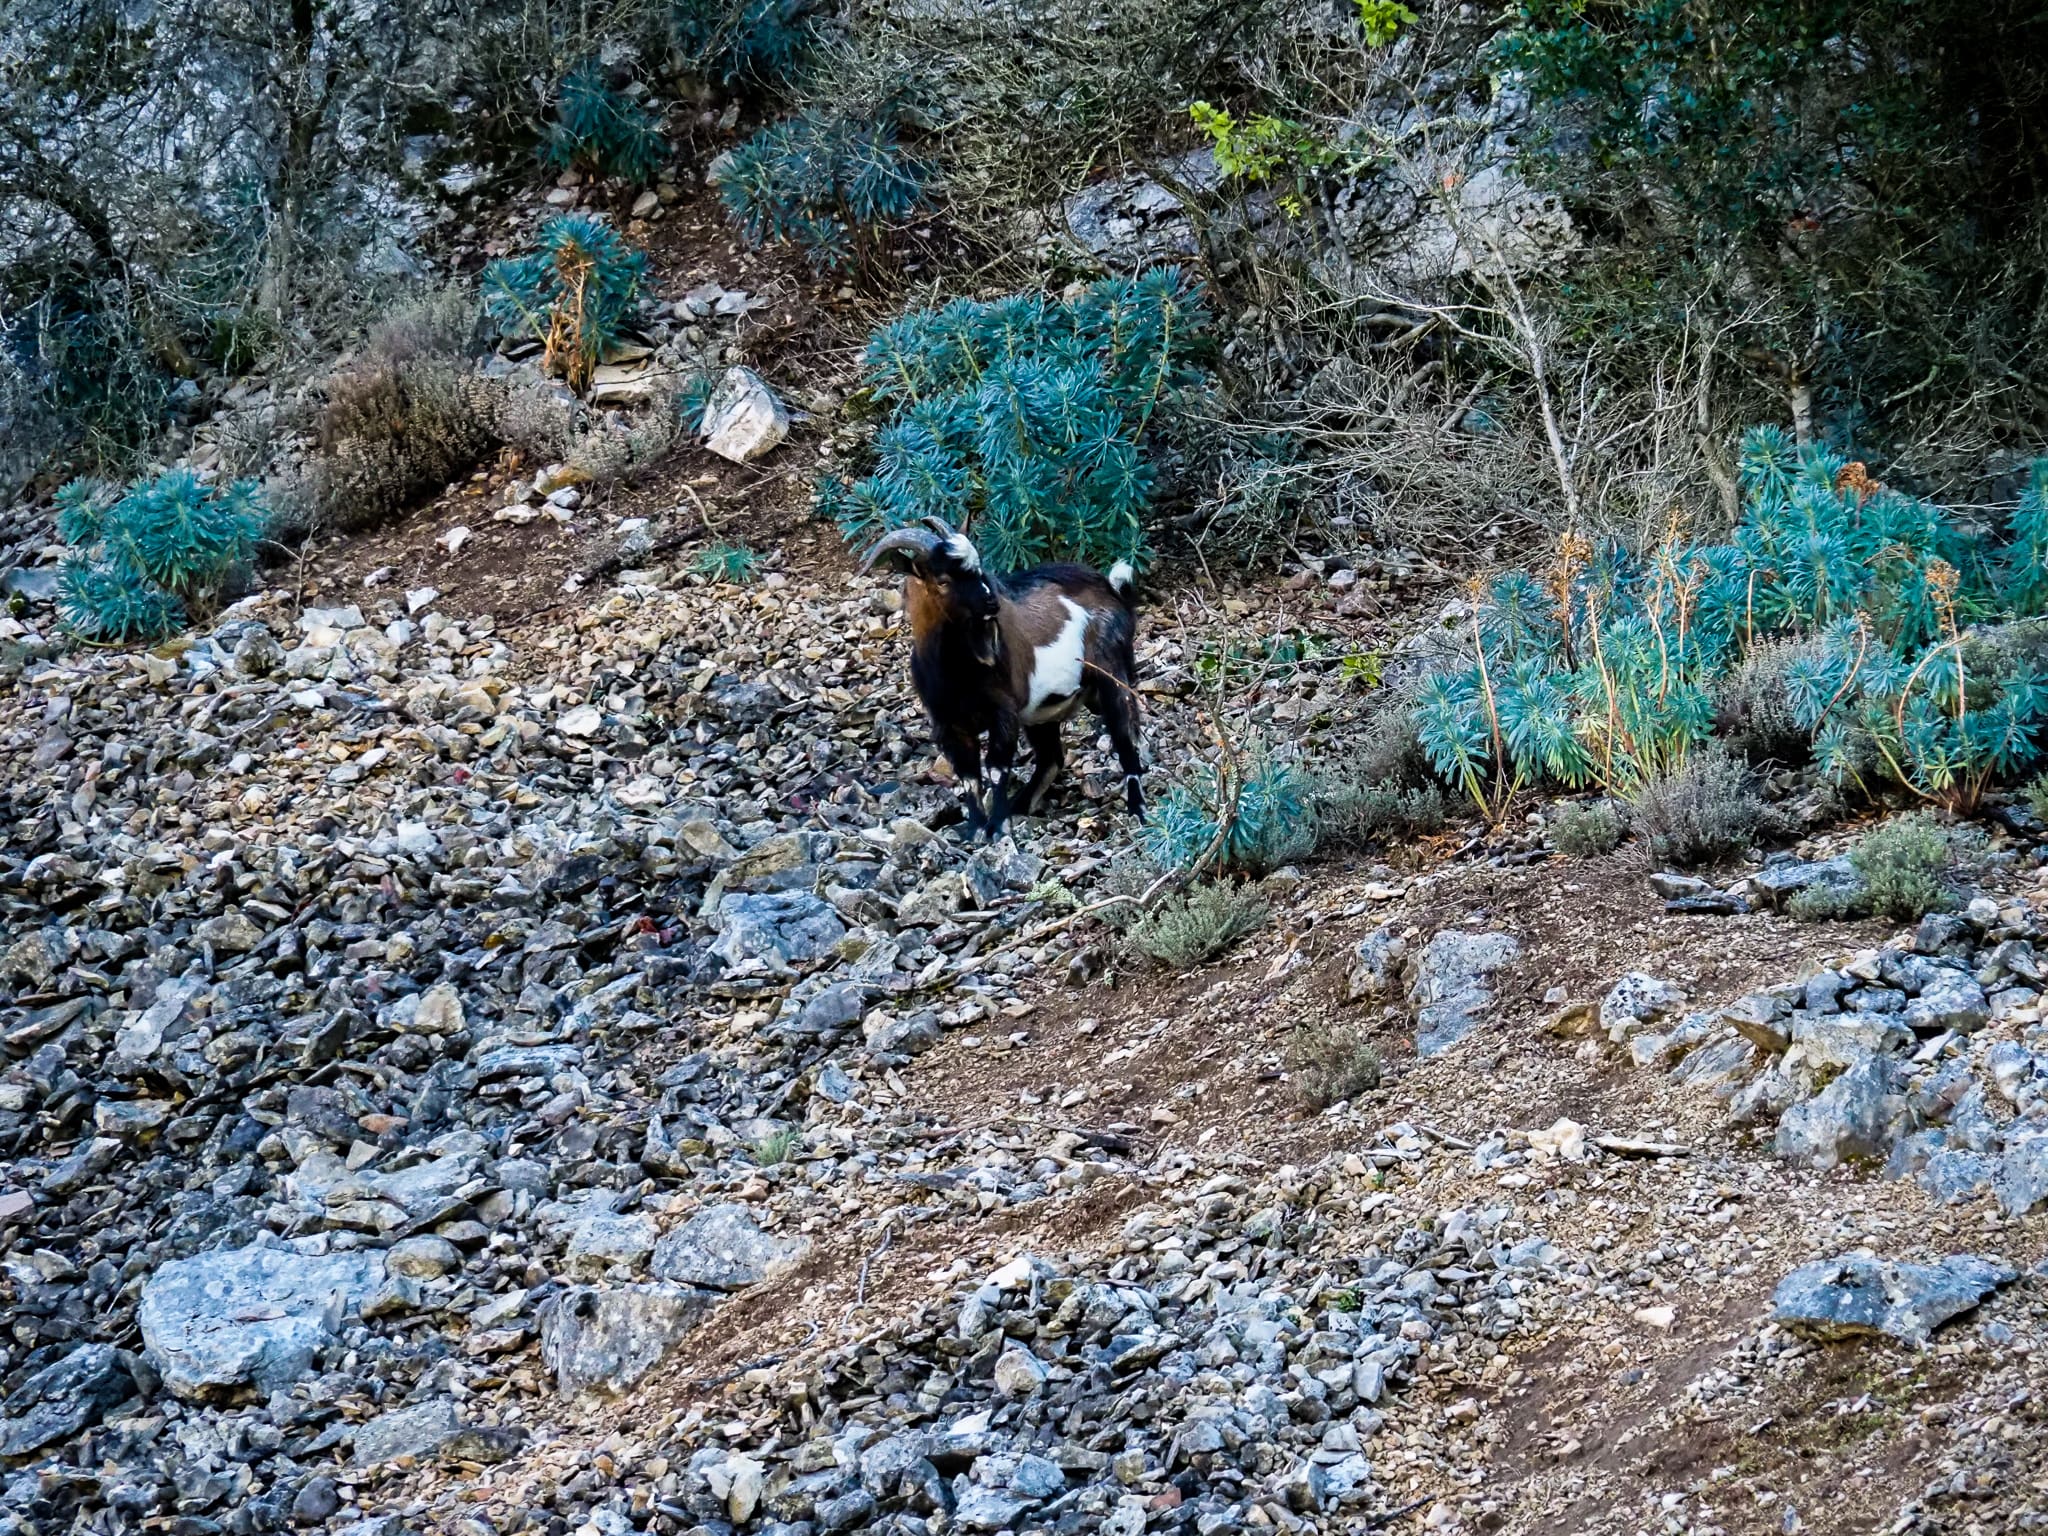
[823, 181]
[139, 557]
[1029, 421]
[573, 295]
[1602, 670]
[600, 128]
[1245, 815]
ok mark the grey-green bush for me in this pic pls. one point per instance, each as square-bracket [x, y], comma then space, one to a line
[1704, 812]
[1197, 925]
[1586, 829]
[1330, 1061]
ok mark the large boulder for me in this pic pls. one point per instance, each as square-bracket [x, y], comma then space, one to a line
[724, 1249]
[1860, 1293]
[606, 1338]
[1857, 1117]
[1452, 990]
[248, 1317]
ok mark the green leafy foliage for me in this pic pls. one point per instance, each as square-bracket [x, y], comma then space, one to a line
[823, 181]
[600, 128]
[1197, 925]
[1383, 20]
[1260, 148]
[1905, 869]
[1605, 670]
[733, 564]
[759, 43]
[1028, 420]
[573, 295]
[139, 557]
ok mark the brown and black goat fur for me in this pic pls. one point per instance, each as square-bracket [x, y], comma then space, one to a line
[1010, 656]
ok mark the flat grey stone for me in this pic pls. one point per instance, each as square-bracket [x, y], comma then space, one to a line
[783, 928]
[1860, 1293]
[418, 1430]
[63, 1398]
[250, 1316]
[724, 1249]
[1451, 991]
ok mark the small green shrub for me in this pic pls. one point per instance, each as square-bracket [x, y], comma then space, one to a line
[407, 417]
[1704, 811]
[733, 564]
[1349, 812]
[1329, 1061]
[1753, 709]
[776, 1147]
[600, 128]
[760, 43]
[2037, 797]
[1905, 866]
[824, 182]
[1585, 830]
[1028, 420]
[573, 295]
[140, 558]
[1195, 926]
[1248, 816]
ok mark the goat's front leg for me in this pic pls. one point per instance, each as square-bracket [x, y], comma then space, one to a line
[1002, 758]
[963, 751]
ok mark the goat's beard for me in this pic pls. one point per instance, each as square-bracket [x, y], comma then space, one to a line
[987, 643]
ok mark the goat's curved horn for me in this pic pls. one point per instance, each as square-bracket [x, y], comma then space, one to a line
[940, 526]
[916, 541]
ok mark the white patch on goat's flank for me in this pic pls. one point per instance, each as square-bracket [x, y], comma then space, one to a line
[965, 552]
[1121, 575]
[1056, 669]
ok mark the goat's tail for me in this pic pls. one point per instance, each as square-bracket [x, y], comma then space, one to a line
[1123, 581]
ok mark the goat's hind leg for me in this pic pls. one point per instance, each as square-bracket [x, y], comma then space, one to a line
[1117, 705]
[1048, 755]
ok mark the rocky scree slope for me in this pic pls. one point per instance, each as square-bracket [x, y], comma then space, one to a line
[416, 1034]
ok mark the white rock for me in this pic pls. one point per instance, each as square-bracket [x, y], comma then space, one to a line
[1018, 1372]
[454, 538]
[745, 420]
[583, 720]
[1565, 1140]
[419, 597]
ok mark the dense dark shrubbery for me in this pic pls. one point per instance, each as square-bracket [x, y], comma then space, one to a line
[573, 295]
[759, 43]
[1843, 194]
[141, 557]
[601, 128]
[825, 182]
[1029, 420]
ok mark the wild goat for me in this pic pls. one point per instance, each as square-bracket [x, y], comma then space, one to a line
[997, 655]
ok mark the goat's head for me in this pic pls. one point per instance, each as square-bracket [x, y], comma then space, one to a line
[946, 562]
